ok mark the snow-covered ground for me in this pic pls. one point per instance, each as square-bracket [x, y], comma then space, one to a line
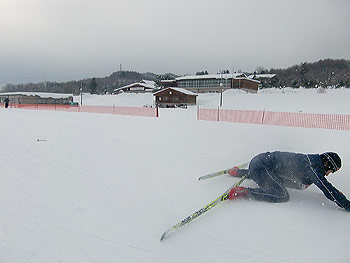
[82, 187]
[282, 100]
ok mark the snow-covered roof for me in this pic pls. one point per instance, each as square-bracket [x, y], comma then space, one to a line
[261, 76]
[44, 95]
[185, 91]
[148, 84]
[168, 81]
[213, 76]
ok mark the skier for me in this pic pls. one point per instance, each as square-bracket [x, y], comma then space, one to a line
[7, 100]
[274, 171]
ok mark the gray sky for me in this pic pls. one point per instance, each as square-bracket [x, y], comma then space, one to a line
[62, 40]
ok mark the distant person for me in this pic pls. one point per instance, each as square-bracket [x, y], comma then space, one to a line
[275, 171]
[7, 100]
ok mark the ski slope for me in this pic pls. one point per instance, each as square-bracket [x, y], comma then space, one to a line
[82, 187]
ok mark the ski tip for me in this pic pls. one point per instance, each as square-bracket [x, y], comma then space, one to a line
[163, 236]
[205, 177]
[166, 233]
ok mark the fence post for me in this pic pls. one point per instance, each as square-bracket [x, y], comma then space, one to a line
[218, 118]
[263, 116]
[157, 112]
[197, 112]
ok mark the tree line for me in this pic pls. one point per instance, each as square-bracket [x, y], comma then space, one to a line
[324, 73]
[93, 85]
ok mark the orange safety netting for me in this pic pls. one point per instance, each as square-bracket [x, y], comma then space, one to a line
[118, 110]
[306, 120]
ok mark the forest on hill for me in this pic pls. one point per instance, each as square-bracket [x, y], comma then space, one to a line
[324, 73]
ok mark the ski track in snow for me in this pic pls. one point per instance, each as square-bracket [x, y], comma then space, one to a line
[103, 188]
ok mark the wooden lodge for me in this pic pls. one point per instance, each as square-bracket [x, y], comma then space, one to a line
[174, 97]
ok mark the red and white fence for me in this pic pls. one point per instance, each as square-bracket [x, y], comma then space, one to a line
[118, 110]
[306, 120]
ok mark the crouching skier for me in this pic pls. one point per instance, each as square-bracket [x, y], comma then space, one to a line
[274, 171]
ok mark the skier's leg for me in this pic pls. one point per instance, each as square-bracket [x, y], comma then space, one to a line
[270, 190]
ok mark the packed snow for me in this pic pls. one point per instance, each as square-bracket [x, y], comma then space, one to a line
[84, 187]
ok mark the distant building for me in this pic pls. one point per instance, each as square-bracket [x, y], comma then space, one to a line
[37, 98]
[174, 97]
[266, 80]
[142, 86]
[217, 82]
[168, 83]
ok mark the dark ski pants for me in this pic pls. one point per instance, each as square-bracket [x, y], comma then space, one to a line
[270, 187]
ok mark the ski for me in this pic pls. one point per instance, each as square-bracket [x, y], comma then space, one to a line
[201, 211]
[221, 172]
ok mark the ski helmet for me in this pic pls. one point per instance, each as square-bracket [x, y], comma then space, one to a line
[331, 160]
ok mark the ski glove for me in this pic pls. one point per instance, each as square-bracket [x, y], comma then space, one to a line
[233, 171]
[237, 192]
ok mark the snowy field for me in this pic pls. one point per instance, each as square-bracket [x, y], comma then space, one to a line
[82, 187]
[281, 100]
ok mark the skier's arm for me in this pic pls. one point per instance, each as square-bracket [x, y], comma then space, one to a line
[330, 191]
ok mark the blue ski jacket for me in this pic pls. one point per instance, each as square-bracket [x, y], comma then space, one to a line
[295, 169]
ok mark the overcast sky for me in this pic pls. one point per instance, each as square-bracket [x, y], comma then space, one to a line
[61, 40]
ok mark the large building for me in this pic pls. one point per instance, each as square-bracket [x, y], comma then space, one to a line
[218, 82]
[37, 98]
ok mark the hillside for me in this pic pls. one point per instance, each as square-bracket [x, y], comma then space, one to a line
[325, 73]
[104, 84]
